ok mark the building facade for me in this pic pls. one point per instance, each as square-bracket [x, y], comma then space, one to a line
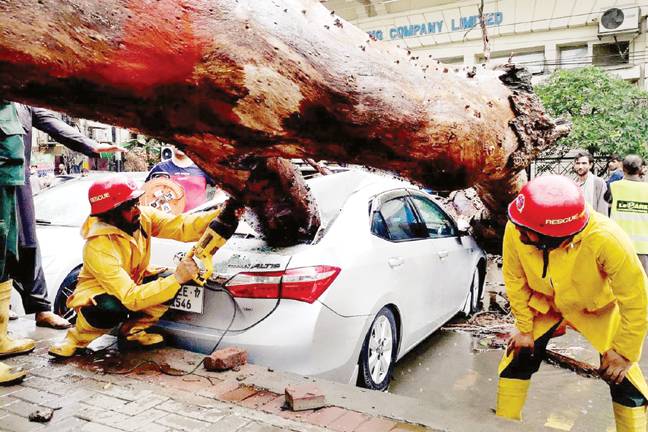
[543, 35]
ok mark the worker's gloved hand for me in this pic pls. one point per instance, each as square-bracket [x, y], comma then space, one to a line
[614, 367]
[186, 270]
[520, 341]
[227, 220]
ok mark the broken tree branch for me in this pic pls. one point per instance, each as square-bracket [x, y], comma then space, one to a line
[225, 80]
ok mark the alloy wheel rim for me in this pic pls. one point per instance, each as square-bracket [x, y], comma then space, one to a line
[380, 349]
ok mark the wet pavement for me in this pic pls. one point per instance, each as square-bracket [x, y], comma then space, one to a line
[446, 371]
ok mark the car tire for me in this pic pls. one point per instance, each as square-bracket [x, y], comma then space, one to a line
[65, 290]
[378, 353]
[474, 298]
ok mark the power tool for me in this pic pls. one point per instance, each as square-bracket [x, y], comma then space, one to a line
[215, 236]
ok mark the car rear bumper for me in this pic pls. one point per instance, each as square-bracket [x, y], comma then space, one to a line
[307, 339]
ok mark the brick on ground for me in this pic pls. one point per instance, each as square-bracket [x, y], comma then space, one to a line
[304, 397]
[226, 358]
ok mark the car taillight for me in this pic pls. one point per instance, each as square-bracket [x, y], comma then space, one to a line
[304, 284]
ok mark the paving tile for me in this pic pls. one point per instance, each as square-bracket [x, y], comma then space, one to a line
[35, 396]
[325, 416]
[348, 422]
[376, 424]
[105, 402]
[230, 423]
[98, 415]
[260, 398]
[22, 408]
[4, 391]
[239, 394]
[15, 423]
[95, 427]
[139, 406]
[183, 423]
[193, 411]
[143, 421]
[49, 372]
[257, 427]
[125, 393]
[69, 424]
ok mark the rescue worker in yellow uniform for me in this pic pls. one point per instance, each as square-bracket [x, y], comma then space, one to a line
[111, 287]
[567, 264]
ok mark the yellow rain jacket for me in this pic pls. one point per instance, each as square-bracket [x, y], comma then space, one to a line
[115, 263]
[596, 283]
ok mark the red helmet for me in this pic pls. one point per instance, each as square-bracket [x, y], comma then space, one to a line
[552, 205]
[108, 193]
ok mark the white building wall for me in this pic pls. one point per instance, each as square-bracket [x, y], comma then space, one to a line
[534, 32]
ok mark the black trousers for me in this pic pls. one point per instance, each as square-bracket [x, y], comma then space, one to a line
[526, 364]
[29, 279]
[107, 312]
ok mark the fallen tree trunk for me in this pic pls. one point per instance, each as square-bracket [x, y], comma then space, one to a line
[228, 79]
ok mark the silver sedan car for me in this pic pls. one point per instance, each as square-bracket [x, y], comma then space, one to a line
[387, 268]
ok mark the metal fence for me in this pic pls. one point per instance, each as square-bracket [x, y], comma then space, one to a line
[563, 166]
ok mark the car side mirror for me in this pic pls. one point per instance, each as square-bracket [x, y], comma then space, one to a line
[463, 226]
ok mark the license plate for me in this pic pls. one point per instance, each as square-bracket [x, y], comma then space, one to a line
[189, 299]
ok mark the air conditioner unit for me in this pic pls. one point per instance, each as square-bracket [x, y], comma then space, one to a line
[617, 20]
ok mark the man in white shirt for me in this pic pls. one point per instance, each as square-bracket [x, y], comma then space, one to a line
[594, 187]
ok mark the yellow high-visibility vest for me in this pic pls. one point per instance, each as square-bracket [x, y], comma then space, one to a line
[630, 211]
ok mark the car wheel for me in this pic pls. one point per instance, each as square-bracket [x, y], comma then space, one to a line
[65, 290]
[378, 353]
[473, 300]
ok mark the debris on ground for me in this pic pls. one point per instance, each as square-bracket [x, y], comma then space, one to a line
[304, 397]
[491, 330]
[41, 416]
[225, 359]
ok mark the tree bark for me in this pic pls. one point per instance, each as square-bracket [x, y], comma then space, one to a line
[227, 79]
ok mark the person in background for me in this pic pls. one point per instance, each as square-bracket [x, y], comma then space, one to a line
[12, 176]
[61, 170]
[594, 188]
[34, 180]
[27, 272]
[182, 170]
[630, 206]
[615, 169]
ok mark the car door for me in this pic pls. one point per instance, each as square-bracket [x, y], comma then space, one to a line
[448, 270]
[399, 259]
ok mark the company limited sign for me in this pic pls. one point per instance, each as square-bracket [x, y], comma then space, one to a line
[436, 27]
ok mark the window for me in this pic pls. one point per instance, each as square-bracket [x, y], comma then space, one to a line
[610, 54]
[436, 221]
[572, 57]
[395, 220]
[533, 61]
